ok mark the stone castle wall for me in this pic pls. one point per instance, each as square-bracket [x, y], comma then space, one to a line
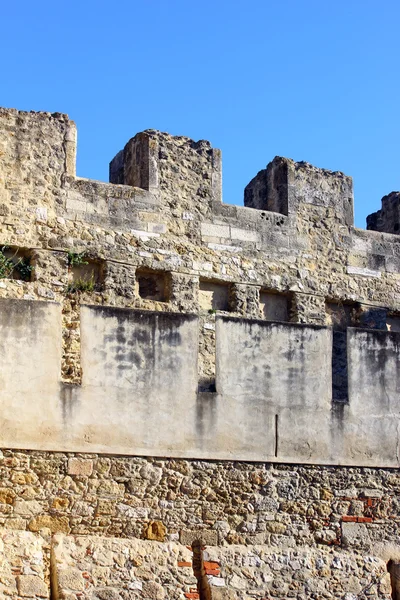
[172, 247]
[269, 530]
[158, 239]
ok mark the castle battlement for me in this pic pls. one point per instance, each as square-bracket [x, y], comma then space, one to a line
[178, 372]
[254, 333]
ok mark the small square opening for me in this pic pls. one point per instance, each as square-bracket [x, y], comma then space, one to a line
[152, 285]
[275, 306]
[84, 273]
[213, 295]
[340, 315]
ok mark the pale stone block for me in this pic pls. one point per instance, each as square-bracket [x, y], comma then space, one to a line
[355, 534]
[41, 214]
[135, 585]
[224, 248]
[132, 512]
[72, 204]
[372, 493]
[216, 581]
[80, 466]
[144, 235]
[31, 586]
[17, 523]
[363, 272]
[71, 579]
[202, 266]
[211, 230]
[27, 508]
[156, 227]
[207, 537]
[361, 245]
[245, 235]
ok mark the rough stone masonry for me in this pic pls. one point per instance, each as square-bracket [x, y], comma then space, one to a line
[175, 368]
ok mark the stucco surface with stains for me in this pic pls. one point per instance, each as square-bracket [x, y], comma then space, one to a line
[147, 318]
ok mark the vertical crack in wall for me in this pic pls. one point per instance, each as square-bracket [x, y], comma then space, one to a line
[71, 370]
[54, 594]
[276, 435]
[203, 587]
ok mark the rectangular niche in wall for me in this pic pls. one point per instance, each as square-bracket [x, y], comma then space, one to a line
[152, 285]
[213, 295]
[275, 306]
[15, 263]
[84, 273]
[340, 315]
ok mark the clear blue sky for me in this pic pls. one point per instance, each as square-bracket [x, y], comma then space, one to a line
[314, 80]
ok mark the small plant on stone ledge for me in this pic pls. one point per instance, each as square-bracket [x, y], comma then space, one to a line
[24, 268]
[8, 266]
[81, 285]
[75, 259]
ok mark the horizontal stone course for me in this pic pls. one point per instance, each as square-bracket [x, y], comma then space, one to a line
[88, 567]
[223, 501]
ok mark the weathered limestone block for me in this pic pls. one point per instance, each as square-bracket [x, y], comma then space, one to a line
[245, 300]
[184, 291]
[308, 309]
[80, 466]
[32, 586]
[120, 279]
[51, 522]
[155, 530]
[50, 267]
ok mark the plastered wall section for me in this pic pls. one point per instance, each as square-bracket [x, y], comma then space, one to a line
[374, 386]
[138, 396]
[30, 350]
[138, 389]
[276, 387]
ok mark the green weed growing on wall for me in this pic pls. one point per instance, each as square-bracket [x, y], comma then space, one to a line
[8, 266]
[75, 259]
